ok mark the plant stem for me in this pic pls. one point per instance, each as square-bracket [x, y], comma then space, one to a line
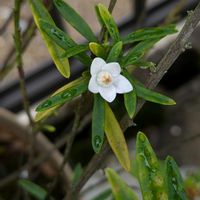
[19, 62]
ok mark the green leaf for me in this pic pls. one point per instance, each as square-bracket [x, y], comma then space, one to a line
[149, 173]
[115, 52]
[109, 22]
[73, 18]
[97, 49]
[149, 33]
[64, 94]
[104, 195]
[152, 96]
[147, 94]
[116, 138]
[174, 180]
[138, 51]
[39, 12]
[65, 42]
[49, 128]
[35, 190]
[130, 101]
[78, 171]
[120, 189]
[98, 123]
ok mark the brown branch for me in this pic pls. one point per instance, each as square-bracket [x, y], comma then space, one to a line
[172, 54]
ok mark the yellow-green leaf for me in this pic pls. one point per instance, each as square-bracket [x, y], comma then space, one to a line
[97, 49]
[46, 113]
[40, 12]
[116, 138]
[120, 189]
[109, 22]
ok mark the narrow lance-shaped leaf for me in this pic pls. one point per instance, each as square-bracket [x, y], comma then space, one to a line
[138, 51]
[98, 123]
[64, 96]
[39, 12]
[149, 173]
[115, 51]
[174, 180]
[109, 22]
[46, 113]
[120, 189]
[149, 33]
[65, 42]
[116, 138]
[148, 94]
[73, 18]
[35, 190]
[97, 49]
[130, 101]
[143, 64]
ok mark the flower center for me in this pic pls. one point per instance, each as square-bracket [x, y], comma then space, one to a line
[104, 78]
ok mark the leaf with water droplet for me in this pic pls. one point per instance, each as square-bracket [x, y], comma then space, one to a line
[65, 95]
[98, 123]
[109, 22]
[174, 180]
[149, 172]
[149, 33]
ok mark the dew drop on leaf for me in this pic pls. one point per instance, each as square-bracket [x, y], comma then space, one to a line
[97, 141]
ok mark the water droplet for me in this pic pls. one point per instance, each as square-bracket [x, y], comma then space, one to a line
[46, 104]
[65, 95]
[97, 141]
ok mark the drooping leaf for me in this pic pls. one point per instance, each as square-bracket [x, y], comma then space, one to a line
[64, 94]
[150, 177]
[40, 13]
[174, 180]
[73, 18]
[120, 189]
[97, 49]
[149, 33]
[107, 194]
[115, 52]
[116, 138]
[65, 42]
[98, 123]
[77, 174]
[35, 190]
[109, 22]
[138, 51]
[49, 128]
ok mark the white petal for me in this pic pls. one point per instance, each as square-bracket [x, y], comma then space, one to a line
[93, 86]
[108, 93]
[113, 67]
[123, 85]
[96, 65]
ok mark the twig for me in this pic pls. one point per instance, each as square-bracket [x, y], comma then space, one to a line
[6, 23]
[9, 61]
[167, 61]
[19, 61]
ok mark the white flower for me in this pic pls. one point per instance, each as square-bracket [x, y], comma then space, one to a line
[107, 80]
